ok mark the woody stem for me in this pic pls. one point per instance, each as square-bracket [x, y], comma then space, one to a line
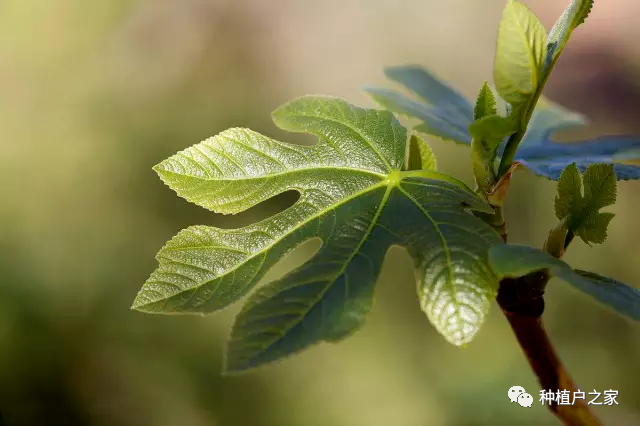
[522, 303]
[526, 322]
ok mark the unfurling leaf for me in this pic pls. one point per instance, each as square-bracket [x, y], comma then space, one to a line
[485, 103]
[520, 54]
[572, 17]
[523, 109]
[421, 156]
[515, 261]
[355, 198]
[581, 212]
[492, 129]
[487, 133]
[556, 242]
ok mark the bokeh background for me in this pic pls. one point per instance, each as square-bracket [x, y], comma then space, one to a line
[94, 93]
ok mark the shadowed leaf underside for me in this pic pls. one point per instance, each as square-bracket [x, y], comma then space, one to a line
[516, 261]
[446, 118]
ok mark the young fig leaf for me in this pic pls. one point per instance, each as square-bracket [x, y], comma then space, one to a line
[550, 49]
[520, 54]
[355, 198]
[569, 192]
[485, 103]
[572, 17]
[515, 261]
[421, 156]
[581, 212]
[487, 133]
[492, 129]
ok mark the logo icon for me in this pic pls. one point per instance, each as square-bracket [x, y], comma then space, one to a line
[515, 392]
[525, 399]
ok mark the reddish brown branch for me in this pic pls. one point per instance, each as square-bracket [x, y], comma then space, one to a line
[524, 311]
[522, 303]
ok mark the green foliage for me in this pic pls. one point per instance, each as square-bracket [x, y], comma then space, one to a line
[524, 60]
[520, 55]
[520, 82]
[621, 297]
[442, 111]
[353, 196]
[431, 89]
[487, 131]
[537, 151]
[581, 212]
[547, 158]
[571, 18]
[421, 156]
[517, 72]
[362, 188]
[515, 261]
[485, 103]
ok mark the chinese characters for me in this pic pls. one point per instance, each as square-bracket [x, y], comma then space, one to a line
[566, 397]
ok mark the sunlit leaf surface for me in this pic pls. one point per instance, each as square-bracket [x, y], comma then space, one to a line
[355, 197]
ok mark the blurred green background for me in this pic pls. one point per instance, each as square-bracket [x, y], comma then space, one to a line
[94, 93]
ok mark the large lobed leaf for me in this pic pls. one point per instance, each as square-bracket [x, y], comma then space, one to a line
[537, 151]
[515, 261]
[355, 198]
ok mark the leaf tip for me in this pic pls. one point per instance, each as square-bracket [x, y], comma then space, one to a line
[139, 306]
[485, 103]
[229, 370]
[234, 364]
[161, 170]
[143, 304]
